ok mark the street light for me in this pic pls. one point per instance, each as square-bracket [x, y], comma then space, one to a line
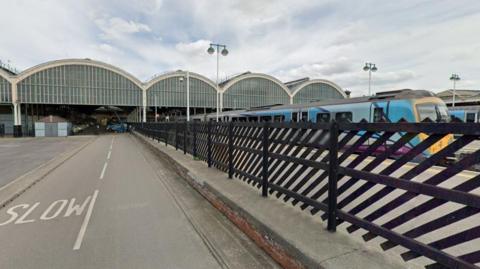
[348, 92]
[156, 115]
[188, 92]
[370, 67]
[224, 52]
[454, 78]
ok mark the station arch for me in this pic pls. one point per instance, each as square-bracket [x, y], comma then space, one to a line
[317, 90]
[253, 90]
[5, 88]
[78, 82]
[170, 90]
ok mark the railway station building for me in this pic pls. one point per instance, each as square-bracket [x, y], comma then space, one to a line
[463, 97]
[85, 91]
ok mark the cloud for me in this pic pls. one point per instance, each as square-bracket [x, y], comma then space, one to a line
[316, 70]
[114, 28]
[414, 44]
[193, 48]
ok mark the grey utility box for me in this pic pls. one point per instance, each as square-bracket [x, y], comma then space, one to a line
[52, 126]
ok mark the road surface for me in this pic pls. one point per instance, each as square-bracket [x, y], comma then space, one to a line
[20, 155]
[114, 205]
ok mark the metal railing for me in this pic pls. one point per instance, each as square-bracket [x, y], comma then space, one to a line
[357, 176]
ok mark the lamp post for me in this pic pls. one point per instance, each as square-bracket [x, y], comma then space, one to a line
[454, 78]
[156, 115]
[348, 92]
[224, 52]
[370, 67]
[187, 76]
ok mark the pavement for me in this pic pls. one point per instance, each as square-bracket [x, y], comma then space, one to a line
[20, 155]
[115, 205]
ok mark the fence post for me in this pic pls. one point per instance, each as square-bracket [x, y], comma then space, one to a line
[194, 150]
[209, 144]
[230, 149]
[332, 177]
[165, 133]
[185, 132]
[176, 135]
[265, 134]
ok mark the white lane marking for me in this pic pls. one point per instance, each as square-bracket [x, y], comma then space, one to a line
[111, 143]
[109, 153]
[103, 170]
[83, 229]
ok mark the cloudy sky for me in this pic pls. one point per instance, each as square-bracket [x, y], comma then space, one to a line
[415, 44]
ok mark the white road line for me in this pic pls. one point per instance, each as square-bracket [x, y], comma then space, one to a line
[83, 229]
[108, 156]
[103, 170]
[111, 143]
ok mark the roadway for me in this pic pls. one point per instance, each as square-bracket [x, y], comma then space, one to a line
[20, 155]
[114, 205]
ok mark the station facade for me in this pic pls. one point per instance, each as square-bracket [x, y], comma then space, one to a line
[85, 82]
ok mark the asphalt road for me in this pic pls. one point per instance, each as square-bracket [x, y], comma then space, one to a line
[20, 155]
[114, 205]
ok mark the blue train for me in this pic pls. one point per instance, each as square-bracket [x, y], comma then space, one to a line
[410, 105]
[465, 113]
[392, 106]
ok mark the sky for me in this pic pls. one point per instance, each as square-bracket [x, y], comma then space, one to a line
[414, 44]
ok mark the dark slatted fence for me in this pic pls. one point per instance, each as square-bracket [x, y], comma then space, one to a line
[378, 181]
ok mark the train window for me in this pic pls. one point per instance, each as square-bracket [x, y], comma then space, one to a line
[295, 116]
[304, 116]
[323, 117]
[266, 118]
[378, 114]
[242, 119]
[470, 117]
[234, 119]
[427, 111]
[433, 112]
[252, 118]
[343, 117]
[279, 118]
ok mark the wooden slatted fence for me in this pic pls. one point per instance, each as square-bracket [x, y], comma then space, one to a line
[377, 181]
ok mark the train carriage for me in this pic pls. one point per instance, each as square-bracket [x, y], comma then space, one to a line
[393, 106]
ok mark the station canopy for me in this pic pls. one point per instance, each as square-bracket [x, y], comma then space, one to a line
[90, 82]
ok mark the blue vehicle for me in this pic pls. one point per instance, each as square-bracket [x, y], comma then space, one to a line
[117, 127]
[393, 106]
[465, 113]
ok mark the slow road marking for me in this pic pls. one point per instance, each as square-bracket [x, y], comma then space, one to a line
[64, 208]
